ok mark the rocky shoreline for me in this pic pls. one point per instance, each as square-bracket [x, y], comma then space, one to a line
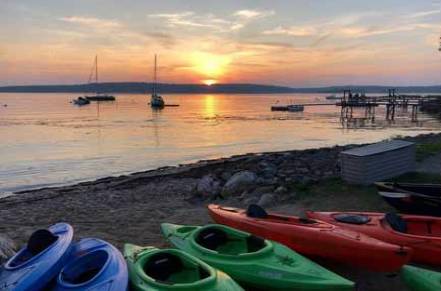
[130, 208]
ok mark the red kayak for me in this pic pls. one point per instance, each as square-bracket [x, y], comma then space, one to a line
[315, 238]
[421, 233]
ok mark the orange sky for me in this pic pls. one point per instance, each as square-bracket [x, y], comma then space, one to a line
[294, 43]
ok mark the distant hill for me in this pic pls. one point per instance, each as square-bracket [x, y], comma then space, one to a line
[137, 87]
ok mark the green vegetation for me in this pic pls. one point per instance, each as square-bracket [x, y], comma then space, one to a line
[424, 150]
[334, 193]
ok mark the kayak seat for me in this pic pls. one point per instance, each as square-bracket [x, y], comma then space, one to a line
[256, 211]
[161, 266]
[212, 238]
[396, 222]
[40, 240]
[255, 243]
[84, 268]
[352, 218]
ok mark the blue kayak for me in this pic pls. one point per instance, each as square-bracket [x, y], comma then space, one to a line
[93, 265]
[40, 261]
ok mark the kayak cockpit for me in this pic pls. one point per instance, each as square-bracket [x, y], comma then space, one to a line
[420, 226]
[168, 268]
[40, 241]
[352, 218]
[85, 268]
[229, 243]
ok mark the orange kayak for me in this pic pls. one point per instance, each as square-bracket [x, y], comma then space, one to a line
[421, 233]
[315, 238]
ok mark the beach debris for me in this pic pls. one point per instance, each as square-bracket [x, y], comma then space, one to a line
[239, 182]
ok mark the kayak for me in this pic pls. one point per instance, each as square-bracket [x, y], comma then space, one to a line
[412, 198]
[252, 261]
[153, 269]
[421, 233]
[40, 261]
[93, 265]
[315, 238]
[418, 279]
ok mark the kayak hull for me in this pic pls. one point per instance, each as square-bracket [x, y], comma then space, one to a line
[37, 272]
[418, 279]
[420, 199]
[426, 246]
[93, 264]
[138, 259]
[271, 266]
[316, 238]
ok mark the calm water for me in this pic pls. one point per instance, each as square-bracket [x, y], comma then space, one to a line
[45, 140]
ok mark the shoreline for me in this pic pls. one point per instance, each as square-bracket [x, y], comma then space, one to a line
[193, 168]
[130, 208]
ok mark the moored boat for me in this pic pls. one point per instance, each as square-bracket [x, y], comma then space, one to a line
[93, 265]
[315, 238]
[80, 101]
[253, 261]
[412, 198]
[420, 233]
[419, 279]
[155, 269]
[156, 100]
[98, 96]
[40, 261]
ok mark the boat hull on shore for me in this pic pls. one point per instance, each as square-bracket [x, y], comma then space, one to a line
[93, 265]
[37, 264]
[420, 233]
[315, 238]
[422, 199]
[153, 269]
[252, 261]
[419, 279]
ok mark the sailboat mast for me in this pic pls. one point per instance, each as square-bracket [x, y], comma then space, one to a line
[154, 77]
[96, 73]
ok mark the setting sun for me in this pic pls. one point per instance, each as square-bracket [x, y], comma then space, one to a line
[210, 65]
[209, 82]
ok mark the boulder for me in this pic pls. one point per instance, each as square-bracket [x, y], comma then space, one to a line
[208, 186]
[7, 248]
[266, 200]
[281, 190]
[238, 183]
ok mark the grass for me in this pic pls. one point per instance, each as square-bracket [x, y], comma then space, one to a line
[334, 193]
[425, 150]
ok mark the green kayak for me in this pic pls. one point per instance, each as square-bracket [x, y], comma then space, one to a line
[252, 261]
[418, 279]
[170, 269]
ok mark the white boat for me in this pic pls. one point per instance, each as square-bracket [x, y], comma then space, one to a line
[156, 100]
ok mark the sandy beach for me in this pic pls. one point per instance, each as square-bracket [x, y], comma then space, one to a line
[130, 208]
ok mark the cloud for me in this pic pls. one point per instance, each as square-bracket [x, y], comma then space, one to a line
[292, 31]
[190, 19]
[91, 22]
[423, 13]
[253, 14]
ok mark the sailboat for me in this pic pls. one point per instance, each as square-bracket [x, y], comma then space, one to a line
[97, 96]
[156, 101]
